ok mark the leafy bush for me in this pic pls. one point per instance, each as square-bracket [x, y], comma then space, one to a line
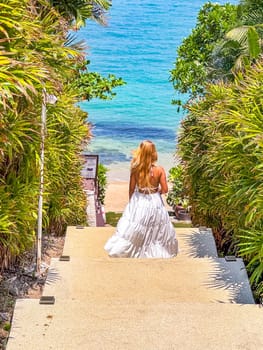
[191, 69]
[38, 54]
[221, 146]
[102, 183]
[176, 194]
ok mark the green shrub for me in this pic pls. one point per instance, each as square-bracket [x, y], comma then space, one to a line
[221, 147]
[102, 183]
[176, 194]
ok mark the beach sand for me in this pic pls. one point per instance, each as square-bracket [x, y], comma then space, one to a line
[117, 191]
[117, 196]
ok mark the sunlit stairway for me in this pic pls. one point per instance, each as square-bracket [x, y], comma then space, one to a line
[194, 301]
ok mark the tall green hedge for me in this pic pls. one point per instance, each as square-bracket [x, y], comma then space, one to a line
[221, 146]
[35, 56]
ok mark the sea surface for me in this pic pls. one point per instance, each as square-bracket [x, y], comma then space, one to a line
[139, 44]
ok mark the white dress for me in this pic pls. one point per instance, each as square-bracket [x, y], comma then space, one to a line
[144, 230]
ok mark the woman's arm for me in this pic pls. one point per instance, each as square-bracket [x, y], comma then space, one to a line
[132, 185]
[163, 182]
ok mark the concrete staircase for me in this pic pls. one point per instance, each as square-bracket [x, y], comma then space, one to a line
[194, 301]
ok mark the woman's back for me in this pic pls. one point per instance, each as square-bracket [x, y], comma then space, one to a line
[144, 230]
[157, 181]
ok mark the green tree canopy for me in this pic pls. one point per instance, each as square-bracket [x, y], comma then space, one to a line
[251, 11]
[191, 71]
[242, 45]
[93, 85]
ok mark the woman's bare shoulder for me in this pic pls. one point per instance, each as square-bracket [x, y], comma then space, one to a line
[159, 169]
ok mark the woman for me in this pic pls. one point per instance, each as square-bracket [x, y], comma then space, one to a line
[144, 230]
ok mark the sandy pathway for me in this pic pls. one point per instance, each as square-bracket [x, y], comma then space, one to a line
[117, 191]
[117, 196]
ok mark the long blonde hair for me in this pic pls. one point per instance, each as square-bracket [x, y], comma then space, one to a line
[143, 158]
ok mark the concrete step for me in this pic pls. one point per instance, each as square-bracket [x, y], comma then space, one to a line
[178, 280]
[91, 273]
[233, 275]
[197, 242]
[89, 241]
[80, 325]
[139, 280]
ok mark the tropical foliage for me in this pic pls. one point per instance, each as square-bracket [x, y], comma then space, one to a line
[227, 38]
[93, 85]
[221, 147]
[220, 140]
[176, 194]
[102, 183]
[191, 70]
[76, 12]
[38, 55]
[251, 11]
[242, 45]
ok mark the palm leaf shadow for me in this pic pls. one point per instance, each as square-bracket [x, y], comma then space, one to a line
[53, 276]
[226, 275]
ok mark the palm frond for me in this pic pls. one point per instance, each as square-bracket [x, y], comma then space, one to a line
[238, 34]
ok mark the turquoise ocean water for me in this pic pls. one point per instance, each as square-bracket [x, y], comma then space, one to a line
[139, 44]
